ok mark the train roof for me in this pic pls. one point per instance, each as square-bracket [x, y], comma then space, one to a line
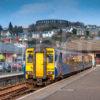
[82, 45]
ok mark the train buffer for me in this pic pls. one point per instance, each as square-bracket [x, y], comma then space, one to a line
[82, 86]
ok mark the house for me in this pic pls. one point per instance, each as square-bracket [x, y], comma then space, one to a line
[5, 33]
[80, 31]
[8, 37]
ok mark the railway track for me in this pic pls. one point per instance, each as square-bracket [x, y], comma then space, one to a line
[11, 79]
[15, 91]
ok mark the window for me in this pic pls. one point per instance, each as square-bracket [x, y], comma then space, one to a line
[98, 55]
[30, 58]
[56, 56]
[50, 58]
[60, 57]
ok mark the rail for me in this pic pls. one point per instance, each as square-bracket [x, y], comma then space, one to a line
[8, 93]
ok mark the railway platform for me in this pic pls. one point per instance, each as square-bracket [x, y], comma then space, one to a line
[82, 86]
[11, 78]
[6, 75]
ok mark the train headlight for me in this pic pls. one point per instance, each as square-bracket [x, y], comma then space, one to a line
[29, 73]
[50, 72]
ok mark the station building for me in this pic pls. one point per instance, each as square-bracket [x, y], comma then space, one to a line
[92, 47]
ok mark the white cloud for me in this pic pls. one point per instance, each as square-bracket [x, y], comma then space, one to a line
[32, 9]
[51, 9]
[46, 7]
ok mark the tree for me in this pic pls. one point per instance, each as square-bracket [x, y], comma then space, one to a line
[31, 28]
[78, 24]
[74, 31]
[10, 28]
[20, 29]
[87, 33]
[47, 42]
[17, 29]
[1, 28]
[0, 31]
[99, 34]
[32, 42]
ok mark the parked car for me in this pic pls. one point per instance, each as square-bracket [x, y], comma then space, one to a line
[14, 66]
[7, 67]
[1, 66]
[19, 67]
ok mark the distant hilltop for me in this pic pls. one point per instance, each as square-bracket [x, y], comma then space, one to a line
[46, 25]
[49, 24]
[52, 21]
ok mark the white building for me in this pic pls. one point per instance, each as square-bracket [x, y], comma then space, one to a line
[5, 33]
[80, 31]
[46, 34]
[35, 35]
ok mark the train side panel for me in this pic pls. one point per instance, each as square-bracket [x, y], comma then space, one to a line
[50, 63]
[71, 62]
[61, 67]
[29, 63]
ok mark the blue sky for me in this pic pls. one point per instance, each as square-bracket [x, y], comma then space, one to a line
[25, 12]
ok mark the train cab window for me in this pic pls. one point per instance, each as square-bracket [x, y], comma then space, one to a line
[30, 58]
[50, 58]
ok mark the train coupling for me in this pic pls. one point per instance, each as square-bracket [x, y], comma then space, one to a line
[39, 81]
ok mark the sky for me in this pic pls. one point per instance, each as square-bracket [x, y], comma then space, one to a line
[26, 12]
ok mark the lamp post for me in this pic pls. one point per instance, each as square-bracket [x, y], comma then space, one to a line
[22, 48]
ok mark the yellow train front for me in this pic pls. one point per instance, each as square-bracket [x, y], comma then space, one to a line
[40, 65]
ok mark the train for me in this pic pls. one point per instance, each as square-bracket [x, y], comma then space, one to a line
[47, 64]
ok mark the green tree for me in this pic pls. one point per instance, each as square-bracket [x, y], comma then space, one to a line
[99, 34]
[74, 31]
[10, 28]
[1, 28]
[87, 33]
[20, 29]
[31, 28]
[17, 29]
[0, 31]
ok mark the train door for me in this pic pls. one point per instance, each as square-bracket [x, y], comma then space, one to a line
[98, 58]
[39, 65]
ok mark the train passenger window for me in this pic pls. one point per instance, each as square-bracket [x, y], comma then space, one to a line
[30, 58]
[60, 57]
[50, 58]
[56, 56]
[97, 55]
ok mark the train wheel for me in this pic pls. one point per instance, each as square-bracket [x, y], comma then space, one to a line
[62, 77]
[34, 84]
[45, 83]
